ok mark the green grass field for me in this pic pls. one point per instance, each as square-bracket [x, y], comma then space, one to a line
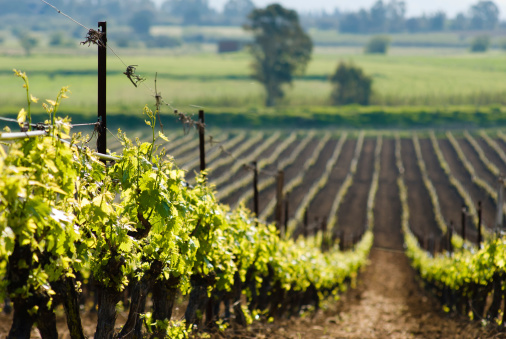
[406, 77]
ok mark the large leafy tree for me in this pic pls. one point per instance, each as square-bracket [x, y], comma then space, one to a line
[484, 15]
[280, 48]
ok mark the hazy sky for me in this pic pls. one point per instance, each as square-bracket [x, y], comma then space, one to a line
[414, 7]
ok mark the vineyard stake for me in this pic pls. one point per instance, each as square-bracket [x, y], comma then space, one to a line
[450, 236]
[315, 230]
[305, 223]
[479, 224]
[202, 138]
[279, 198]
[255, 188]
[287, 211]
[464, 222]
[102, 89]
[500, 202]
[324, 243]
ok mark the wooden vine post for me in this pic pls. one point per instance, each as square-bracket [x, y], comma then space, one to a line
[287, 213]
[450, 236]
[202, 140]
[500, 203]
[480, 222]
[279, 198]
[464, 214]
[102, 89]
[306, 224]
[255, 189]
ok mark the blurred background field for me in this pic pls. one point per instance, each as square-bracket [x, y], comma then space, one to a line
[428, 69]
[404, 77]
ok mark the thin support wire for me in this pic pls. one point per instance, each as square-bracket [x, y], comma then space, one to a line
[66, 15]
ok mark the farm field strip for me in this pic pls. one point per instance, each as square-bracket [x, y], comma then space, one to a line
[179, 140]
[371, 198]
[472, 172]
[351, 215]
[449, 197]
[403, 191]
[348, 181]
[241, 160]
[190, 152]
[214, 152]
[228, 159]
[469, 203]
[185, 150]
[283, 164]
[299, 178]
[496, 148]
[481, 170]
[429, 186]
[238, 184]
[245, 161]
[317, 185]
[481, 154]
[422, 217]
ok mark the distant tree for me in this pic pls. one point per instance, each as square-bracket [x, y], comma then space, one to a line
[238, 8]
[484, 15]
[350, 85]
[480, 43]
[415, 24]
[56, 39]
[141, 22]
[377, 45]
[460, 22]
[396, 13]
[437, 21]
[353, 23]
[280, 48]
[378, 17]
[28, 43]
[191, 12]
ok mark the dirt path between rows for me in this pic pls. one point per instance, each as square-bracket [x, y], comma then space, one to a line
[388, 303]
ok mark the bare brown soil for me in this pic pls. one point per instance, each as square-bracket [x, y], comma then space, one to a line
[322, 203]
[352, 216]
[421, 213]
[449, 198]
[313, 174]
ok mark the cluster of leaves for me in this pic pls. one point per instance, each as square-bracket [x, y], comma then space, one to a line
[64, 213]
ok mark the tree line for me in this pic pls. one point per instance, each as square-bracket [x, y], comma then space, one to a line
[390, 17]
[381, 17]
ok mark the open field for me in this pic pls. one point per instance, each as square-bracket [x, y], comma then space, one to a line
[222, 82]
